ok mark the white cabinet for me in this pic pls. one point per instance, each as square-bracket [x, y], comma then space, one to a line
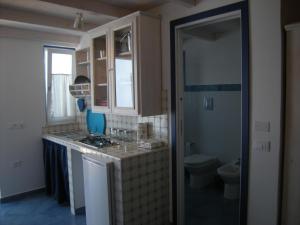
[98, 186]
[100, 89]
[126, 66]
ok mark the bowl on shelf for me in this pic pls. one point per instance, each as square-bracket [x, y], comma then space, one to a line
[80, 79]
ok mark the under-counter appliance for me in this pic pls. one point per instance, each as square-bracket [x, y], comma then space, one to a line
[98, 190]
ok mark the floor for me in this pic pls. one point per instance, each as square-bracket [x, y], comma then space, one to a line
[207, 206]
[203, 206]
[38, 209]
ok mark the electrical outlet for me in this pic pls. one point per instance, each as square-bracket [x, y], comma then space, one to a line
[17, 164]
[16, 126]
[262, 146]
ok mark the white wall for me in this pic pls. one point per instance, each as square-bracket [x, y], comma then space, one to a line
[214, 62]
[215, 133]
[84, 42]
[22, 96]
[265, 92]
[265, 105]
[22, 100]
[218, 132]
[58, 38]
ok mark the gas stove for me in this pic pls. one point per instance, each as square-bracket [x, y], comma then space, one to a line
[97, 141]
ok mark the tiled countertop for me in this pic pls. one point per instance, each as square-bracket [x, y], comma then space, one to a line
[141, 179]
[124, 150]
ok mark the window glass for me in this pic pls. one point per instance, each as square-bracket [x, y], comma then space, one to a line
[61, 63]
[60, 103]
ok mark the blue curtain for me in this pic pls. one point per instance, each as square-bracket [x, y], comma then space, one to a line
[56, 171]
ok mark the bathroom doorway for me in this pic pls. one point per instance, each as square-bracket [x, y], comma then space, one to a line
[210, 117]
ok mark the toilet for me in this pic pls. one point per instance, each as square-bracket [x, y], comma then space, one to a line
[202, 169]
[230, 174]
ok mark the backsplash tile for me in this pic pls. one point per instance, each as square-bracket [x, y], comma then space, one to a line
[50, 129]
[158, 125]
[119, 121]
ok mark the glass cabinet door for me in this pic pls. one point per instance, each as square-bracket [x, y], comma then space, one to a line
[123, 68]
[100, 78]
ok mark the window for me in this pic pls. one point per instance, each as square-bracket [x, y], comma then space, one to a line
[59, 70]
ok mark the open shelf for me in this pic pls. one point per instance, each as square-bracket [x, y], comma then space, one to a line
[102, 85]
[100, 76]
[83, 63]
[124, 54]
[101, 59]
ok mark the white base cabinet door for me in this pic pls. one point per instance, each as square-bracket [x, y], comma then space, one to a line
[98, 192]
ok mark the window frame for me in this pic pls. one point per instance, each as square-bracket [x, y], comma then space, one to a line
[48, 51]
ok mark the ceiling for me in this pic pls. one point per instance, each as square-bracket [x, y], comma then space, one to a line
[60, 14]
[62, 11]
[212, 31]
[136, 4]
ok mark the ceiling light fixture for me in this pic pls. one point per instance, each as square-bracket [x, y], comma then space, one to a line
[78, 22]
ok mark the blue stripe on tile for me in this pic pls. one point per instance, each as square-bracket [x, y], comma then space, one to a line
[212, 87]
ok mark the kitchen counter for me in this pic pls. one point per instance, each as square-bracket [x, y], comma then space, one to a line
[141, 178]
[120, 151]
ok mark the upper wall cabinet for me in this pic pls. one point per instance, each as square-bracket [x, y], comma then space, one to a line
[82, 59]
[83, 62]
[100, 73]
[126, 66]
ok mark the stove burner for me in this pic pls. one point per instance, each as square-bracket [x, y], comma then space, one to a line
[97, 141]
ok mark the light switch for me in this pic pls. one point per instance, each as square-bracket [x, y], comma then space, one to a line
[262, 126]
[17, 164]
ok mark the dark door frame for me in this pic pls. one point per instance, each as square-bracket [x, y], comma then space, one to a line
[243, 8]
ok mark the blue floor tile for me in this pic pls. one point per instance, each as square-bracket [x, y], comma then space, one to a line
[38, 209]
[207, 206]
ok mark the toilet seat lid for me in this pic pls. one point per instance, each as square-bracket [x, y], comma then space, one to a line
[199, 159]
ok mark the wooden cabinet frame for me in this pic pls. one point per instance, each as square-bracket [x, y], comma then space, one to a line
[123, 110]
[146, 60]
[93, 60]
